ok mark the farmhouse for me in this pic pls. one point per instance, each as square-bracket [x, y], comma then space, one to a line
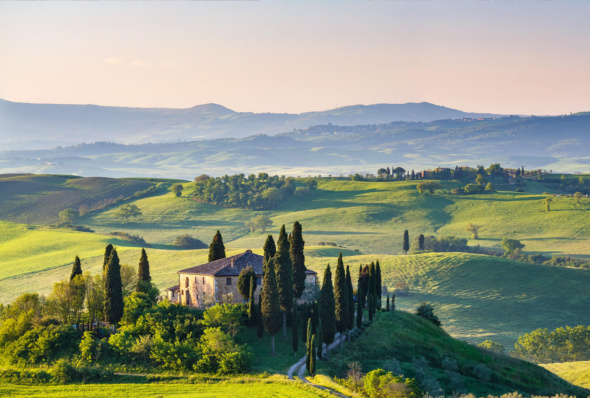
[217, 281]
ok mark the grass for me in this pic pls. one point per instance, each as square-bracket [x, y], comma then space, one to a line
[481, 297]
[577, 373]
[238, 388]
[38, 199]
[406, 337]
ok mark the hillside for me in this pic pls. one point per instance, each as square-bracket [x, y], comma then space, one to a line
[577, 373]
[38, 199]
[56, 124]
[456, 366]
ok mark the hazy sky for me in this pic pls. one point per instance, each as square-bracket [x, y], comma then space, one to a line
[520, 57]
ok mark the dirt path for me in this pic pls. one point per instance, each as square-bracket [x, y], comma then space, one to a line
[298, 369]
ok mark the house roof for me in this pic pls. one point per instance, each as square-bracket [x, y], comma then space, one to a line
[174, 288]
[224, 266]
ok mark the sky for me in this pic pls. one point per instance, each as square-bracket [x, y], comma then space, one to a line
[510, 57]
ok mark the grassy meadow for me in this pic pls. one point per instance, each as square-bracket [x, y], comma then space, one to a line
[577, 373]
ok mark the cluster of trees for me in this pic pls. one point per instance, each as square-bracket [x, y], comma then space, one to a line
[395, 174]
[560, 345]
[379, 383]
[440, 243]
[257, 192]
[189, 242]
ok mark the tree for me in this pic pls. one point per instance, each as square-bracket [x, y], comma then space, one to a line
[127, 211]
[68, 216]
[67, 299]
[312, 360]
[327, 308]
[581, 180]
[252, 306]
[228, 317]
[547, 202]
[113, 290]
[284, 275]
[319, 345]
[492, 346]
[216, 248]
[511, 245]
[426, 311]
[359, 306]
[261, 223]
[144, 280]
[308, 346]
[429, 186]
[341, 298]
[387, 305]
[474, 230]
[472, 188]
[177, 190]
[76, 268]
[94, 297]
[351, 309]
[259, 324]
[295, 343]
[577, 197]
[269, 252]
[188, 242]
[297, 260]
[480, 180]
[246, 278]
[406, 244]
[393, 302]
[421, 242]
[271, 311]
[490, 187]
[107, 256]
[378, 285]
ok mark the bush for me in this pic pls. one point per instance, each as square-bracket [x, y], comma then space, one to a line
[492, 346]
[428, 186]
[33, 376]
[130, 237]
[88, 347]
[43, 344]
[188, 242]
[426, 311]
[64, 373]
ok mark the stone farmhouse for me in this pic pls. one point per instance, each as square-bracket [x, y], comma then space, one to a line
[217, 281]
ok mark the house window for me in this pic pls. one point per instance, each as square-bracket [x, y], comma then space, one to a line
[203, 280]
[186, 283]
[228, 281]
[173, 293]
[259, 281]
[195, 280]
[197, 296]
[183, 292]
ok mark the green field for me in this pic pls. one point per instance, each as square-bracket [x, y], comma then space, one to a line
[407, 338]
[258, 388]
[577, 373]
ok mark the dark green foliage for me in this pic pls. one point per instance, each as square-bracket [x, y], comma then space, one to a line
[271, 311]
[319, 342]
[387, 305]
[76, 268]
[393, 302]
[426, 311]
[269, 252]
[246, 279]
[297, 259]
[294, 327]
[421, 242]
[113, 290]
[304, 327]
[511, 245]
[284, 275]
[372, 287]
[144, 280]
[340, 297]
[177, 190]
[252, 312]
[308, 346]
[406, 245]
[351, 309]
[188, 242]
[43, 344]
[327, 308]
[216, 248]
[312, 360]
[371, 308]
[567, 344]
[107, 256]
[252, 192]
[363, 282]
[378, 285]
[259, 324]
[359, 307]
[441, 244]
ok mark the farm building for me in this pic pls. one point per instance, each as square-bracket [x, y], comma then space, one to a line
[217, 281]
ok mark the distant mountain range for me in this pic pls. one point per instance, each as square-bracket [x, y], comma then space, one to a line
[37, 126]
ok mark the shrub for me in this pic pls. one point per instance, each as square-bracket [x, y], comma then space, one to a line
[428, 186]
[43, 344]
[33, 376]
[426, 311]
[188, 242]
[492, 346]
[130, 237]
[88, 347]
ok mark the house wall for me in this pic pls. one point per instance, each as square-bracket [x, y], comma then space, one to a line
[222, 289]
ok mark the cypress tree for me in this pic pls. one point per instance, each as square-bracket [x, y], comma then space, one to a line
[259, 324]
[143, 274]
[351, 309]
[252, 305]
[216, 248]
[113, 294]
[284, 275]
[315, 317]
[387, 305]
[378, 285]
[421, 242]
[294, 320]
[372, 280]
[308, 346]
[271, 312]
[269, 252]
[406, 241]
[393, 302]
[297, 259]
[371, 306]
[107, 256]
[327, 308]
[341, 299]
[246, 279]
[359, 307]
[76, 268]
[319, 343]
[304, 329]
[312, 358]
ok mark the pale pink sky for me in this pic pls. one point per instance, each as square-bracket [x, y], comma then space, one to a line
[522, 57]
